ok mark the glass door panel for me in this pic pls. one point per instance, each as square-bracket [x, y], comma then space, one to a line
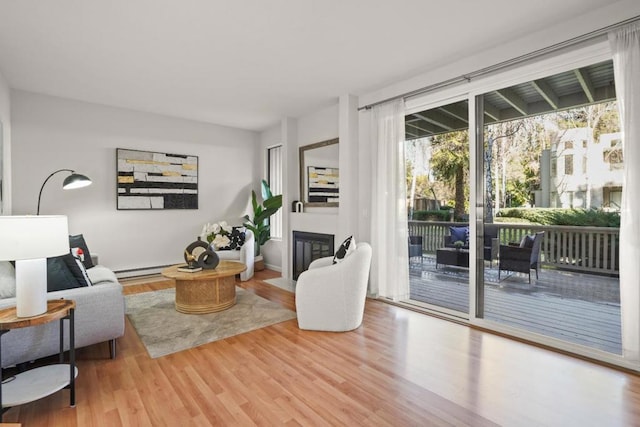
[437, 161]
[551, 170]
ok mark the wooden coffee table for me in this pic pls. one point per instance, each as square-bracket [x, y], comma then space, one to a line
[205, 291]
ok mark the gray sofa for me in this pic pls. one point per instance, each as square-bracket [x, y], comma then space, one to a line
[99, 317]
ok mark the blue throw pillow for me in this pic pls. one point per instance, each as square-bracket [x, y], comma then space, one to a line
[459, 234]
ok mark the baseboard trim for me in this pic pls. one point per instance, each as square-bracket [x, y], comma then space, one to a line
[137, 272]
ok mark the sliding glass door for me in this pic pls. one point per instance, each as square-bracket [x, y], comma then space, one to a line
[437, 164]
[541, 258]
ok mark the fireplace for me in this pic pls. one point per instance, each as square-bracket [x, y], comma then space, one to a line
[308, 247]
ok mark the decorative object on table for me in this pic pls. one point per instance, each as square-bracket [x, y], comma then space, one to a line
[261, 213]
[298, 206]
[324, 184]
[199, 256]
[217, 234]
[29, 241]
[458, 244]
[150, 180]
[229, 243]
[73, 181]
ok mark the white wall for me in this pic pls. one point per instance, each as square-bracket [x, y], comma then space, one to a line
[5, 146]
[51, 133]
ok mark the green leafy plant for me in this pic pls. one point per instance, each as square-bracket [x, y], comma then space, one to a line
[261, 213]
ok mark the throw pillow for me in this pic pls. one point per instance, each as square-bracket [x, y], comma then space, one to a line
[59, 276]
[346, 248]
[77, 241]
[527, 241]
[236, 239]
[459, 234]
[77, 268]
[7, 280]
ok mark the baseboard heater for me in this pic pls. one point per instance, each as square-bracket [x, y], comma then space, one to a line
[136, 272]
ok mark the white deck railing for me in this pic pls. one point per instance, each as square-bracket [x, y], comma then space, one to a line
[586, 249]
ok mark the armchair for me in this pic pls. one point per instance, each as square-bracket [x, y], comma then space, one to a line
[331, 297]
[246, 255]
[523, 258]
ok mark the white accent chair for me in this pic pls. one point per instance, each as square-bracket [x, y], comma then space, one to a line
[245, 255]
[331, 297]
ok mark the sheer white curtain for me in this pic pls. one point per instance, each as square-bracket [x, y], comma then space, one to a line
[389, 236]
[625, 44]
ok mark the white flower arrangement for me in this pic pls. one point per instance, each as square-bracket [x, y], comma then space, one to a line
[217, 234]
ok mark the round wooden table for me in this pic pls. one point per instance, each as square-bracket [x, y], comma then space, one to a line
[205, 291]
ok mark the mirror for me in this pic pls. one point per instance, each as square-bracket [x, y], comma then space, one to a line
[319, 174]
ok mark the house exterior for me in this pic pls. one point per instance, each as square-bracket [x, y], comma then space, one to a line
[586, 173]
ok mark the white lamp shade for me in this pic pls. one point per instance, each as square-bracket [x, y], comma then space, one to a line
[33, 237]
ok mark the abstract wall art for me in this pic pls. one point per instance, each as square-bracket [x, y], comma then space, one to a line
[150, 180]
[324, 184]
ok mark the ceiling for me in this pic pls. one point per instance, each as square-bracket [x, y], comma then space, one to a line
[581, 86]
[249, 63]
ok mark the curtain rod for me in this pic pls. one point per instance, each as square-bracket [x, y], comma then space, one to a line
[509, 62]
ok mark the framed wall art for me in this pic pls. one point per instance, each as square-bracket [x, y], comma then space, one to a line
[151, 180]
[324, 184]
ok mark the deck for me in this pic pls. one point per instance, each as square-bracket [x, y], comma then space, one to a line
[575, 307]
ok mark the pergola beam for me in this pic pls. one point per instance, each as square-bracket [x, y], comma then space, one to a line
[513, 99]
[585, 83]
[457, 111]
[546, 92]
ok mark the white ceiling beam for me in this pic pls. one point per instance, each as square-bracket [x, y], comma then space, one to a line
[491, 111]
[432, 120]
[456, 111]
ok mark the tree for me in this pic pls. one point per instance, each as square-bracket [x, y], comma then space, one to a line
[450, 162]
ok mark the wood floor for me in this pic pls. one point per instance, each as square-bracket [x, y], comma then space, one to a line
[401, 368]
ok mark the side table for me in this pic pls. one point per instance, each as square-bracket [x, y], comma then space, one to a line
[40, 382]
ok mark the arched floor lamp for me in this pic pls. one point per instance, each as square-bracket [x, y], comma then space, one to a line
[75, 180]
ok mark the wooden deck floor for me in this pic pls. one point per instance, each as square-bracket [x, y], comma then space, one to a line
[578, 308]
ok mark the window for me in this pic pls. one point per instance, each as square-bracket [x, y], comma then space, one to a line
[568, 164]
[568, 145]
[584, 164]
[274, 178]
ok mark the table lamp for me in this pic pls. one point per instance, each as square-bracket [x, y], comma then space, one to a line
[29, 241]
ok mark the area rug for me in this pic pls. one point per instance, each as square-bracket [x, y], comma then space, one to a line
[163, 330]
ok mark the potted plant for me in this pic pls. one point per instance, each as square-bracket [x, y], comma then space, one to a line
[261, 212]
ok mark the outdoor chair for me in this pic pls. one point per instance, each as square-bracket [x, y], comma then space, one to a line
[522, 258]
[415, 247]
[491, 243]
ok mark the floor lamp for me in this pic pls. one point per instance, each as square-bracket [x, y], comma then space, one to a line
[29, 241]
[73, 181]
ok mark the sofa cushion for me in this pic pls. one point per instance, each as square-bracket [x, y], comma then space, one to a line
[346, 248]
[77, 241]
[100, 274]
[7, 280]
[236, 239]
[459, 234]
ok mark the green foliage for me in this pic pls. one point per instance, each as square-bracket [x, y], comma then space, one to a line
[258, 224]
[439, 215]
[573, 217]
